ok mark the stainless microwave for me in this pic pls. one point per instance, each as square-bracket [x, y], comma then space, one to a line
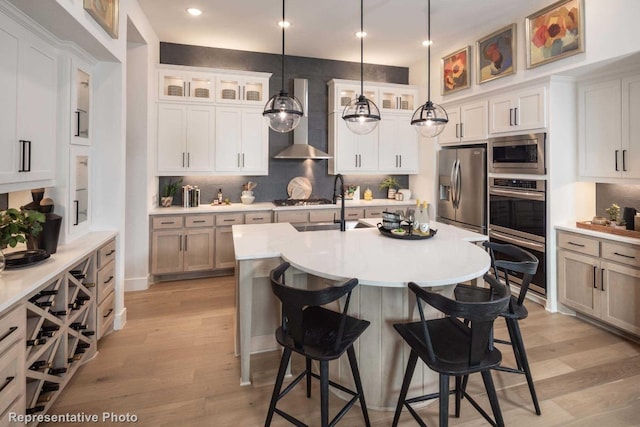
[518, 154]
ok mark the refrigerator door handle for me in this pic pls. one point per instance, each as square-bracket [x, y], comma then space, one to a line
[458, 183]
[453, 183]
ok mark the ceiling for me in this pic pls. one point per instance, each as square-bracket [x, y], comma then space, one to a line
[326, 28]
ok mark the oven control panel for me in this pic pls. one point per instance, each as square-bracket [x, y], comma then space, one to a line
[525, 184]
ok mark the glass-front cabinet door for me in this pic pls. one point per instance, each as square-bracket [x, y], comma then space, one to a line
[242, 89]
[183, 85]
[394, 99]
[344, 94]
[82, 101]
[79, 217]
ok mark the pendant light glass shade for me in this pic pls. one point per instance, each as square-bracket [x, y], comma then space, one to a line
[283, 111]
[361, 115]
[429, 119]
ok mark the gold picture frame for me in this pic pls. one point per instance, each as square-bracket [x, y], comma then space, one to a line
[555, 32]
[496, 55]
[105, 13]
[455, 71]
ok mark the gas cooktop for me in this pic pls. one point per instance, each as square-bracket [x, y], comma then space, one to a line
[302, 202]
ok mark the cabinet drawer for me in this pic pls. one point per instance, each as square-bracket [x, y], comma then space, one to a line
[618, 252]
[158, 222]
[373, 212]
[106, 281]
[230, 219]
[324, 215]
[292, 216]
[12, 327]
[353, 213]
[106, 253]
[11, 374]
[257, 217]
[106, 314]
[198, 221]
[574, 242]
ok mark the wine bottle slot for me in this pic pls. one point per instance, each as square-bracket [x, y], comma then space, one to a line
[82, 345]
[79, 351]
[89, 285]
[50, 328]
[47, 387]
[88, 333]
[57, 371]
[49, 292]
[59, 313]
[37, 341]
[43, 303]
[39, 364]
[83, 298]
[77, 326]
[43, 398]
[35, 409]
[48, 334]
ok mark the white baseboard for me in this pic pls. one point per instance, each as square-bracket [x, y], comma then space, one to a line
[136, 284]
[120, 320]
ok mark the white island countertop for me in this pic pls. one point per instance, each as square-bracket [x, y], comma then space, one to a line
[376, 260]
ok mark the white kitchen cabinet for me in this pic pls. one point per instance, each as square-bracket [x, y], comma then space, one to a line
[79, 218]
[600, 278]
[342, 92]
[28, 83]
[467, 123]
[608, 128]
[397, 145]
[185, 138]
[181, 85]
[520, 110]
[398, 98]
[251, 89]
[241, 141]
[353, 154]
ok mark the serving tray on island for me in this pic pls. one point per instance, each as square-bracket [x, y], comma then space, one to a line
[25, 258]
[409, 233]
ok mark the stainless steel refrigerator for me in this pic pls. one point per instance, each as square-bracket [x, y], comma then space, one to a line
[462, 187]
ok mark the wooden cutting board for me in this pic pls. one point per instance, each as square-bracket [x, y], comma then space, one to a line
[299, 188]
[608, 229]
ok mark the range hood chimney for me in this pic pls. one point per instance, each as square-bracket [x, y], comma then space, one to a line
[300, 149]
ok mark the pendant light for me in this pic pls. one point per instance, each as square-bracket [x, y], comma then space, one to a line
[361, 115]
[283, 111]
[429, 119]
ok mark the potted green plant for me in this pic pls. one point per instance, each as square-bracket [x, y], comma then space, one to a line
[168, 191]
[614, 214]
[18, 226]
[392, 185]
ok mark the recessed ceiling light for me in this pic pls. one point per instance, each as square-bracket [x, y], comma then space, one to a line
[427, 42]
[195, 12]
[361, 34]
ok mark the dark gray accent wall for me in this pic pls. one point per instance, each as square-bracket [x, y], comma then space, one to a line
[318, 72]
[4, 201]
[620, 194]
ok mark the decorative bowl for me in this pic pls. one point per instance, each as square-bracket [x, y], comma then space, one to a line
[247, 200]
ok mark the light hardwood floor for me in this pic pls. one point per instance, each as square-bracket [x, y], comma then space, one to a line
[174, 365]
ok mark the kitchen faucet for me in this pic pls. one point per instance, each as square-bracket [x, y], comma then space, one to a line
[335, 182]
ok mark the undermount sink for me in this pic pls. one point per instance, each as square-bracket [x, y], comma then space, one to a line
[320, 226]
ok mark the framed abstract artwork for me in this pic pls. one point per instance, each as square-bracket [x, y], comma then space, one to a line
[105, 13]
[455, 71]
[555, 32]
[496, 54]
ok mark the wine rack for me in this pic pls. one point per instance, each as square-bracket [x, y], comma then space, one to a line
[60, 332]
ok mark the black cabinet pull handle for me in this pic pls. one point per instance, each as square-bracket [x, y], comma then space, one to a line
[186, 239]
[9, 332]
[515, 116]
[180, 244]
[258, 219]
[108, 313]
[510, 116]
[617, 170]
[461, 130]
[167, 222]
[77, 206]
[188, 159]
[624, 160]
[6, 383]
[77, 123]
[576, 244]
[111, 252]
[625, 256]
[229, 220]
[198, 221]
[457, 127]
[25, 159]
[108, 280]
[595, 285]
[602, 279]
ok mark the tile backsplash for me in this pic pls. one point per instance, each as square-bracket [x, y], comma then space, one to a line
[624, 195]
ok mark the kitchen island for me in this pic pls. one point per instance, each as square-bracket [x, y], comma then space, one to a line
[383, 266]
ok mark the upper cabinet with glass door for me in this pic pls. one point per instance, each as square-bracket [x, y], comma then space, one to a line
[342, 92]
[250, 89]
[81, 97]
[180, 85]
[398, 99]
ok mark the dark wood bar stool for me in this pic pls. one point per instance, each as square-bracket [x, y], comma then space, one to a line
[451, 347]
[317, 334]
[513, 260]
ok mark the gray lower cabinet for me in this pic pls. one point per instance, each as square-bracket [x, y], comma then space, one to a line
[225, 257]
[601, 279]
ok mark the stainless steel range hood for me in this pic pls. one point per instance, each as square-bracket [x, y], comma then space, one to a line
[300, 149]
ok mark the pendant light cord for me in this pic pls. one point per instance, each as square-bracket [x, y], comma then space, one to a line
[283, 27]
[361, 48]
[428, 50]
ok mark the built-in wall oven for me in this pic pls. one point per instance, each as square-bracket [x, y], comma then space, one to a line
[517, 215]
[518, 154]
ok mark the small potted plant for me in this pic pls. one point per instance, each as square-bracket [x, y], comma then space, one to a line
[19, 226]
[392, 185]
[614, 214]
[168, 191]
